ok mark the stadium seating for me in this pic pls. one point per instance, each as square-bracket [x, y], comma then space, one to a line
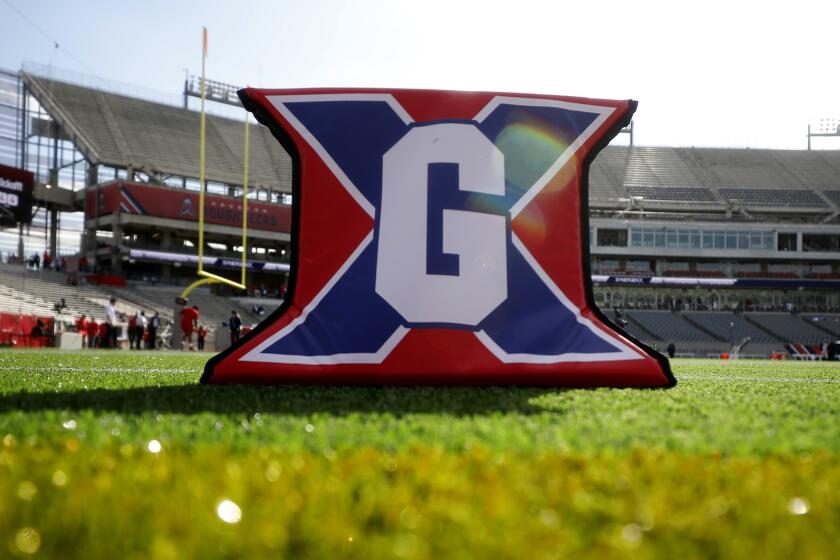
[632, 328]
[606, 176]
[730, 326]
[833, 195]
[694, 194]
[130, 132]
[38, 292]
[696, 273]
[788, 328]
[709, 176]
[780, 275]
[827, 321]
[666, 326]
[774, 197]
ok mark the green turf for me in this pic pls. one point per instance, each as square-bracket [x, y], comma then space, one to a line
[720, 466]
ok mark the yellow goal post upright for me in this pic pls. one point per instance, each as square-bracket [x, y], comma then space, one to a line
[209, 277]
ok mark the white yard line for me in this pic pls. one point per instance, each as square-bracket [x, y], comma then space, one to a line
[69, 369]
[752, 379]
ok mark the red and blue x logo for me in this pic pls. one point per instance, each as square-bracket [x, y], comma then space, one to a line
[439, 239]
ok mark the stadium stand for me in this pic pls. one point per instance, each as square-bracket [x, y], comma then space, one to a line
[40, 291]
[687, 229]
[666, 325]
[833, 196]
[121, 131]
[696, 194]
[825, 321]
[707, 177]
[607, 176]
[36, 292]
[774, 197]
[730, 327]
[634, 329]
[787, 327]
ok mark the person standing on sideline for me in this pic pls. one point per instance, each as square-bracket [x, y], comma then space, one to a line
[102, 335]
[189, 322]
[235, 326]
[81, 328]
[132, 332]
[142, 323]
[154, 325]
[202, 334]
[92, 332]
[111, 321]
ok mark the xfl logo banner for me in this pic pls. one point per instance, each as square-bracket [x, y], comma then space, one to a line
[441, 237]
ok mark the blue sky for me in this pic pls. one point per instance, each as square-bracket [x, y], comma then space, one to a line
[736, 73]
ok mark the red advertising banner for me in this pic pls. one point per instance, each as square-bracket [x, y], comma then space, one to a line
[176, 204]
[15, 195]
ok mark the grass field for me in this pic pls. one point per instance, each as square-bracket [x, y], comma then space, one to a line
[106, 455]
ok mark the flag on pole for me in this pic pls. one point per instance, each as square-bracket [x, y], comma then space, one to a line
[204, 37]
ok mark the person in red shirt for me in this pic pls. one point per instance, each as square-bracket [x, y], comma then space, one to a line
[103, 335]
[92, 331]
[189, 322]
[132, 332]
[202, 334]
[81, 328]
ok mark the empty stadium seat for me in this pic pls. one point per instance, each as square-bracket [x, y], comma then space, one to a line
[729, 326]
[826, 321]
[775, 197]
[788, 328]
[667, 326]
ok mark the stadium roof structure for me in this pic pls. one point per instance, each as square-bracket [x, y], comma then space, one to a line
[786, 181]
[158, 139]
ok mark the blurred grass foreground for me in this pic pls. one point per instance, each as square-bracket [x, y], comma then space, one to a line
[128, 457]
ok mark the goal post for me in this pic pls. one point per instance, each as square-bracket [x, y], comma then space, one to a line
[209, 275]
[205, 276]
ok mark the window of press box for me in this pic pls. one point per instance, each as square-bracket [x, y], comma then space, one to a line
[612, 237]
[786, 242]
[815, 242]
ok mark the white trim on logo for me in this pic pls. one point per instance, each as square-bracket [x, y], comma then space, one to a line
[602, 112]
[279, 102]
[258, 354]
[624, 351]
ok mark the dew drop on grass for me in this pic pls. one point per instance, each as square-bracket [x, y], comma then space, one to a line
[28, 540]
[228, 512]
[154, 446]
[272, 473]
[799, 506]
[631, 533]
[27, 490]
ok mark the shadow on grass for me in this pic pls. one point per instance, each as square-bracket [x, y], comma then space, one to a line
[295, 400]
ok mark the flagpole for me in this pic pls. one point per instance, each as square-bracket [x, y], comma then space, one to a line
[245, 202]
[201, 154]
